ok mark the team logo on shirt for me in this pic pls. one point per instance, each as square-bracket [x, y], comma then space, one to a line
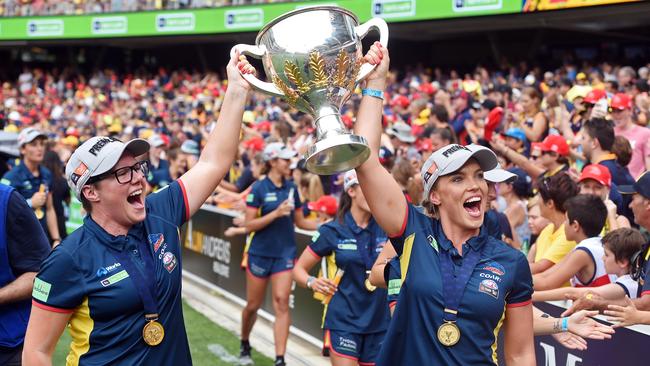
[169, 261]
[495, 267]
[433, 242]
[270, 197]
[156, 240]
[103, 271]
[347, 244]
[489, 287]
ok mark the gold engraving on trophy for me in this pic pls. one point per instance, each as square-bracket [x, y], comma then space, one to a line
[317, 66]
[342, 66]
[355, 72]
[292, 72]
[290, 94]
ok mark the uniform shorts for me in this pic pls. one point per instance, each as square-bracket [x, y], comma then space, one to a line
[363, 348]
[264, 267]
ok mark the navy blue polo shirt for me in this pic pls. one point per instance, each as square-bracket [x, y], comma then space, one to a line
[27, 184]
[160, 178]
[620, 175]
[352, 308]
[277, 239]
[501, 279]
[83, 277]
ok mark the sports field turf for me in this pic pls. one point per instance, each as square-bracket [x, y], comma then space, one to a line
[201, 333]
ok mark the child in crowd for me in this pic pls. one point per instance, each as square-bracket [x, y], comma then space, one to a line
[619, 247]
[583, 266]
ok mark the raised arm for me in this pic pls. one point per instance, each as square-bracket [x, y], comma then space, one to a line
[382, 192]
[562, 272]
[219, 152]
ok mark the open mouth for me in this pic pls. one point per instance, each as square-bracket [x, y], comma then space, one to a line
[135, 199]
[473, 206]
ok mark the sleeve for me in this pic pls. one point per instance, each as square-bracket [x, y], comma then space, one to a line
[245, 180]
[522, 288]
[8, 179]
[410, 225]
[254, 198]
[59, 285]
[558, 250]
[27, 244]
[322, 243]
[171, 203]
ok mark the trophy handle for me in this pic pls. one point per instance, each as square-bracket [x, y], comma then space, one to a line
[256, 52]
[361, 31]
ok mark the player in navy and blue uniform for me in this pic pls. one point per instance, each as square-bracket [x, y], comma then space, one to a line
[357, 316]
[273, 208]
[121, 271]
[34, 181]
[445, 316]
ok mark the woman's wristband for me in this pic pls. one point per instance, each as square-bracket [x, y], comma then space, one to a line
[565, 324]
[310, 281]
[379, 94]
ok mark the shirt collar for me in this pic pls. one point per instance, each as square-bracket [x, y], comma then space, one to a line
[116, 242]
[349, 221]
[475, 242]
[609, 156]
[594, 239]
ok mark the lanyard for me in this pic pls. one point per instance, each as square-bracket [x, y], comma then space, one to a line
[145, 285]
[453, 285]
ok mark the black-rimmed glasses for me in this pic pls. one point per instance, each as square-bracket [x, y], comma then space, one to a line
[124, 175]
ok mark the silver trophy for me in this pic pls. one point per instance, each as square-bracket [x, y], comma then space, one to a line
[314, 59]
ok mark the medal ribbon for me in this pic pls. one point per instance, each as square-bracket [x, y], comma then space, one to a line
[145, 286]
[453, 286]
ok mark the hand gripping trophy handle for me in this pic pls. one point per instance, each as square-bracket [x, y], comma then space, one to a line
[362, 31]
[256, 52]
[313, 58]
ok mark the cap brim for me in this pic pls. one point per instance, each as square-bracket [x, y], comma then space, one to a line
[136, 147]
[629, 189]
[287, 154]
[499, 176]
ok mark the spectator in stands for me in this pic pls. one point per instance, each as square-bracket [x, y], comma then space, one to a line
[597, 141]
[639, 137]
[552, 245]
[620, 247]
[583, 266]
[531, 119]
[595, 179]
[516, 193]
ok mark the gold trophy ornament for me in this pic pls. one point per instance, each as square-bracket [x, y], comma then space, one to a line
[313, 56]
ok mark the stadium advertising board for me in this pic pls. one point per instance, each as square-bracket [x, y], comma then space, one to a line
[233, 19]
[214, 258]
[541, 5]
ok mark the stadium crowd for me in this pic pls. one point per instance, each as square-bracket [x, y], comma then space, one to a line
[14, 8]
[573, 144]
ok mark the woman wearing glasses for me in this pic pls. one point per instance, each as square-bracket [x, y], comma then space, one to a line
[117, 279]
[459, 286]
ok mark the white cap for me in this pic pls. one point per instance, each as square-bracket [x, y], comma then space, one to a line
[190, 147]
[350, 179]
[156, 141]
[452, 158]
[97, 156]
[499, 175]
[402, 132]
[277, 150]
[28, 135]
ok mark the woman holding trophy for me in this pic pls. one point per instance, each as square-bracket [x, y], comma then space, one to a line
[460, 286]
[356, 316]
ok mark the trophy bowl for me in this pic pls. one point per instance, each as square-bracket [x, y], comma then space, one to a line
[313, 57]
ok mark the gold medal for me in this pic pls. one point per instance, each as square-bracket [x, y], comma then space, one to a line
[448, 334]
[153, 333]
[369, 286]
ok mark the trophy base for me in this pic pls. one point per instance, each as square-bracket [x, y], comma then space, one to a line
[337, 154]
